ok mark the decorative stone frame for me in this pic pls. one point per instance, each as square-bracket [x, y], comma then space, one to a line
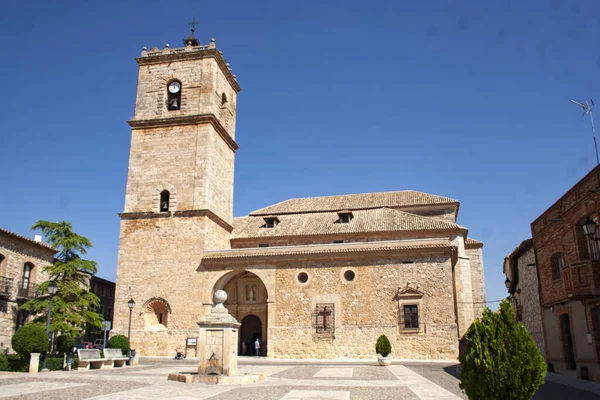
[172, 198]
[149, 311]
[410, 295]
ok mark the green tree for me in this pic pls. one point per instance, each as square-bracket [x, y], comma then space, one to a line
[65, 343]
[30, 338]
[73, 306]
[502, 361]
[118, 342]
[383, 346]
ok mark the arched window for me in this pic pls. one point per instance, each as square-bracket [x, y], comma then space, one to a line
[26, 280]
[156, 314]
[174, 95]
[557, 265]
[583, 248]
[223, 99]
[164, 200]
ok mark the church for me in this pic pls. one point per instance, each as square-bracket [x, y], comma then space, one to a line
[318, 277]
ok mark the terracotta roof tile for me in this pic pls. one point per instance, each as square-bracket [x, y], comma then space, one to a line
[404, 198]
[41, 244]
[471, 241]
[324, 223]
[327, 248]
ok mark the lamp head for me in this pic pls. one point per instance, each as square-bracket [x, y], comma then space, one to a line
[589, 227]
[52, 288]
[507, 283]
[130, 304]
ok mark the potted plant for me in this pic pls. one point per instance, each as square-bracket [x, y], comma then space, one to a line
[384, 348]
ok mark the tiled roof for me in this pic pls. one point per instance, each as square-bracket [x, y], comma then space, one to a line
[423, 245]
[473, 242]
[324, 223]
[41, 244]
[404, 198]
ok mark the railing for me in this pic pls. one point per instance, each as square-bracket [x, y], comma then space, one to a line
[5, 285]
[29, 291]
[582, 278]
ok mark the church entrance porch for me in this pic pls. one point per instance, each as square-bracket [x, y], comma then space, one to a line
[247, 302]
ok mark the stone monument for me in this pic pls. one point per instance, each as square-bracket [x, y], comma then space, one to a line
[218, 340]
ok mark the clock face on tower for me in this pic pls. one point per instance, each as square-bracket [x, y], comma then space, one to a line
[174, 87]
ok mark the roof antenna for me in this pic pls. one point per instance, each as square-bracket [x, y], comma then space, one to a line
[587, 109]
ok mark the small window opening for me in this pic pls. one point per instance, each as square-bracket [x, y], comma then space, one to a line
[345, 217]
[338, 241]
[164, 200]
[302, 277]
[223, 99]
[411, 317]
[407, 262]
[263, 245]
[271, 222]
[349, 275]
[557, 265]
[27, 268]
[174, 95]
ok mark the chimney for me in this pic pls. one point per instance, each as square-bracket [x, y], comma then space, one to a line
[38, 238]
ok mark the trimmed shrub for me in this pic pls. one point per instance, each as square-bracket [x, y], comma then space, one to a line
[4, 366]
[501, 361]
[65, 343]
[383, 346]
[31, 338]
[54, 363]
[118, 342]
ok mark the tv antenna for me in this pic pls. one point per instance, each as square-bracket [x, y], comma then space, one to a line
[587, 109]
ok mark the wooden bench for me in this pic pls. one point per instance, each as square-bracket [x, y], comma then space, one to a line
[90, 359]
[115, 356]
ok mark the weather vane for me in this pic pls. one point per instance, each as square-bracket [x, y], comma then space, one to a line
[193, 24]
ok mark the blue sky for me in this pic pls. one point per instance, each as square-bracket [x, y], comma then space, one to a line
[469, 101]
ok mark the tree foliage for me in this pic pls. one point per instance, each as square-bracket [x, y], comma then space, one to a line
[502, 361]
[65, 343]
[30, 338]
[383, 346]
[118, 342]
[73, 306]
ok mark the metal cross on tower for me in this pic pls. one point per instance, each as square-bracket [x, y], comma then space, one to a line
[193, 24]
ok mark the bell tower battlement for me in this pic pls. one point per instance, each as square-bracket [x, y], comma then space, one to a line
[183, 133]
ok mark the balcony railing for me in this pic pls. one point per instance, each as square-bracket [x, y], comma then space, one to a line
[582, 278]
[6, 285]
[28, 291]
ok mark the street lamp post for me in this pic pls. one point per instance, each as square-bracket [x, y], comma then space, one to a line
[130, 304]
[52, 289]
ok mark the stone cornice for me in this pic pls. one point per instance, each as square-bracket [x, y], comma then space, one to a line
[186, 120]
[176, 214]
[273, 255]
[189, 53]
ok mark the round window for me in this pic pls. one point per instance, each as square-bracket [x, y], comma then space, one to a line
[302, 277]
[349, 275]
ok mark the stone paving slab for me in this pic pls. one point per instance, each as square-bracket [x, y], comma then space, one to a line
[317, 394]
[278, 392]
[345, 372]
[34, 387]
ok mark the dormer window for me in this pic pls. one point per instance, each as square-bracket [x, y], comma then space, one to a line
[164, 201]
[345, 217]
[174, 95]
[271, 222]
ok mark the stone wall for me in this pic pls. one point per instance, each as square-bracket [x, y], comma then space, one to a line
[14, 253]
[475, 255]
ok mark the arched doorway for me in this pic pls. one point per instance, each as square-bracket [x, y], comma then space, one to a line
[247, 302]
[249, 332]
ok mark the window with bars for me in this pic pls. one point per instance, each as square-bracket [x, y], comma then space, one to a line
[410, 316]
[324, 321]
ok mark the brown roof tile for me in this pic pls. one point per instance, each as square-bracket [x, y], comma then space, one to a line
[324, 223]
[41, 244]
[473, 242]
[404, 198]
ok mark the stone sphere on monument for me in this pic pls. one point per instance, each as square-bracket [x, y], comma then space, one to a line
[219, 297]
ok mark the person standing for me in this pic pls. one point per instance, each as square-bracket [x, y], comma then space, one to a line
[257, 347]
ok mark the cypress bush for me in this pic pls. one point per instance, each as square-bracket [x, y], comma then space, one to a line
[65, 343]
[118, 342]
[501, 361]
[30, 338]
[383, 346]
[4, 365]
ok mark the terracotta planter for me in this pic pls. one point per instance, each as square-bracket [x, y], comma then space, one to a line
[385, 361]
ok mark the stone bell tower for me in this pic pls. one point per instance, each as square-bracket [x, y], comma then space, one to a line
[179, 194]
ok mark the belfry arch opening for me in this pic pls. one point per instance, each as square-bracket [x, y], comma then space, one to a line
[247, 302]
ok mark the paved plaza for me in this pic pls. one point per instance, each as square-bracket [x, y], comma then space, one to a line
[286, 381]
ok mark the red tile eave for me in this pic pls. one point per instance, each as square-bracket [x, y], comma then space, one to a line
[45, 246]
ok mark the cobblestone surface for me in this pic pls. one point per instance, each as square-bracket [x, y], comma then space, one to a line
[409, 381]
